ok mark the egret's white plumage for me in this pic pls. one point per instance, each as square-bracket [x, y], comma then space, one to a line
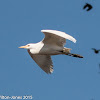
[54, 34]
[52, 44]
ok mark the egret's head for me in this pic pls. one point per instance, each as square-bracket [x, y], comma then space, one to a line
[28, 46]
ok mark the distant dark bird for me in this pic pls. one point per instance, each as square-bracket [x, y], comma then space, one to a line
[87, 5]
[95, 50]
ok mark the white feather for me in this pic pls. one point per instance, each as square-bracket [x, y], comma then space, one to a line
[61, 34]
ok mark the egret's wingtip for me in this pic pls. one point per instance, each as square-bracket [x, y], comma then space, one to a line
[42, 30]
[75, 41]
[46, 30]
[51, 71]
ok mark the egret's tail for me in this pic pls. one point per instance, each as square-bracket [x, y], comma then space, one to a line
[66, 51]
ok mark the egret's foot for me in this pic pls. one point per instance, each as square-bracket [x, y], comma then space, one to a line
[66, 51]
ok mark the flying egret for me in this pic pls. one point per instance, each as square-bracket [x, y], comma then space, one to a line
[52, 44]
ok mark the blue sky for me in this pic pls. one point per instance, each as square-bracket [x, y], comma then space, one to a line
[73, 79]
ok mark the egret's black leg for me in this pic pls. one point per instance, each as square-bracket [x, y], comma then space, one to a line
[75, 55]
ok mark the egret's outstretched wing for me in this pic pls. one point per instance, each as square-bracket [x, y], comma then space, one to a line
[44, 61]
[56, 37]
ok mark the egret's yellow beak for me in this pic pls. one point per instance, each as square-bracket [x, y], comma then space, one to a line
[24, 46]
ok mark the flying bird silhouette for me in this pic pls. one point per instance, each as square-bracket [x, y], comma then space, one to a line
[95, 50]
[87, 6]
[52, 44]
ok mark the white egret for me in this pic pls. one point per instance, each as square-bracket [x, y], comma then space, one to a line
[52, 44]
